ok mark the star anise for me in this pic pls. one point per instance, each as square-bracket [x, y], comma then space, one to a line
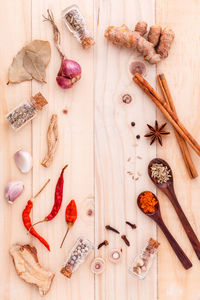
[156, 133]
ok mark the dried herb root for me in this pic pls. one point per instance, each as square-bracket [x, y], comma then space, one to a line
[52, 141]
[56, 32]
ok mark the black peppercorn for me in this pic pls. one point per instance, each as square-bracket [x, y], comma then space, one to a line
[138, 136]
[133, 124]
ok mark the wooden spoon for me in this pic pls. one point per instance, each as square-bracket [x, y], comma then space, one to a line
[168, 190]
[156, 216]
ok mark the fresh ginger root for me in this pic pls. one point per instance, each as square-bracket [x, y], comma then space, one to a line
[156, 47]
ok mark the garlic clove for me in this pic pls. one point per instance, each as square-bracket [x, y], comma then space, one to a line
[13, 190]
[98, 265]
[23, 161]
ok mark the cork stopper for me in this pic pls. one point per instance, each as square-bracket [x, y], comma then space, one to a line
[153, 243]
[66, 271]
[38, 101]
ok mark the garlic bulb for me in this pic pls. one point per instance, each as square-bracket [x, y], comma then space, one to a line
[23, 161]
[13, 190]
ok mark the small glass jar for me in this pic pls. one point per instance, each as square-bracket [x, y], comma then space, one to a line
[76, 24]
[143, 261]
[26, 111]
[76, 256]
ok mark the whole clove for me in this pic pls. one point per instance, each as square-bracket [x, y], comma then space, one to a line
[108, 227]
[126, 241]
[133, 226]
[104, 243]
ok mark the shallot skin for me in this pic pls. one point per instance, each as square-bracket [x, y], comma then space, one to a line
[70, 68]
[69, 73]
[63, 82]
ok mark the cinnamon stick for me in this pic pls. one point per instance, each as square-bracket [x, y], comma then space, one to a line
[165, 109]
[182, 143]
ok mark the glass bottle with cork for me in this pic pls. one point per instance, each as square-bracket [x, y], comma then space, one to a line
[26, 111]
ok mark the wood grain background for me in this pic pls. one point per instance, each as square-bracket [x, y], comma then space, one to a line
[97, 140]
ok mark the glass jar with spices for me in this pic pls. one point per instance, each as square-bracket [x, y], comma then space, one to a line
[143, 261]
[26, 111]
[76, 256]
[76, 24]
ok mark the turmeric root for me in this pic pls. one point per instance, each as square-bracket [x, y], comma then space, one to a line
[166, 39]
[125, 37]
[141, 27]
[154, 34]
[156, 47]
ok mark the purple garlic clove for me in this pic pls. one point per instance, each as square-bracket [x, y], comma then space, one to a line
[13, 190]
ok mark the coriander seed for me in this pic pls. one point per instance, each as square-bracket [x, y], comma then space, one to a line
[160, 172]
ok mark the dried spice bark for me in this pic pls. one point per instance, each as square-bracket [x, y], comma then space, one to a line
[28, 268]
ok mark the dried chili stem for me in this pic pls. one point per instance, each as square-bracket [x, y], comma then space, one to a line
[40, 190]
[56, 32]
[52, 141]
[36, 197]
[68, 228]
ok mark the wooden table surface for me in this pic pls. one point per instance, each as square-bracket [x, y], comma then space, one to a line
[97, 140]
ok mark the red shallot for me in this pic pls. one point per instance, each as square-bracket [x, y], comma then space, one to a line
[70, 70]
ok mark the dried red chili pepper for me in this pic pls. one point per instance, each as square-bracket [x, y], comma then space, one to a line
[27, 219]
[70, 217]
[57, 198]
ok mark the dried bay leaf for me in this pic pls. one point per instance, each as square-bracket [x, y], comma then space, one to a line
[34, 66]
[16, 72]
[42, 48]
[30, 62]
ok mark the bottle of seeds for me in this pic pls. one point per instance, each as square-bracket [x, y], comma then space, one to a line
[75, 22]
[76, 256]
[26, 111]
[143, 261]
